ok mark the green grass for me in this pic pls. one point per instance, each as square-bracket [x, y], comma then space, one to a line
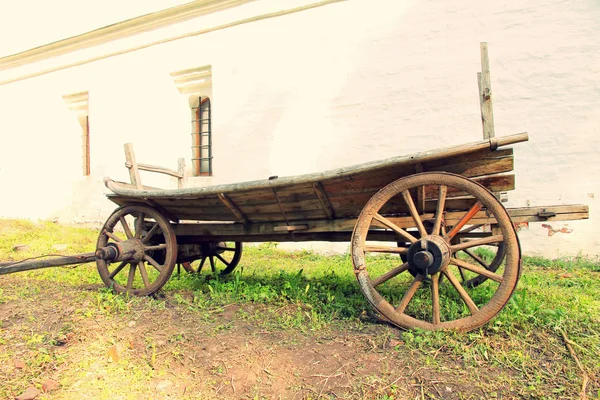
[306, 292]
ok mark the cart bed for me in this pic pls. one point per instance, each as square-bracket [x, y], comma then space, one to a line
[338, 193]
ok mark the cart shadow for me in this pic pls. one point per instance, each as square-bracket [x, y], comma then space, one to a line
[333, 296]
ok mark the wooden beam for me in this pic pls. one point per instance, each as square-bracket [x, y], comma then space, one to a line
[323, 227]
[130, 163]
[233, 207]
[280, 206]
[154, 168]
[320, 192]
[485, 93]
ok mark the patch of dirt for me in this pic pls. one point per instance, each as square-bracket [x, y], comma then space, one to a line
[95, 348]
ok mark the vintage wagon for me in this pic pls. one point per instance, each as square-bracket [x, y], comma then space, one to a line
[438, 211]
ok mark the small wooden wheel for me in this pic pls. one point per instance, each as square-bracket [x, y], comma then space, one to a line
[142, 245]
[419, 299]
[223, 257]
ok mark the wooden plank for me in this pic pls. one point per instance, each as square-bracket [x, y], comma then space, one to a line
[234, 209]
[375, 181]
[560, 209]
[350, 204]
[134, 174]
[324, 200]
[526, 214]
[192, 214]
[479, 155]
[485, 93]
[341, 229]
[496, 184]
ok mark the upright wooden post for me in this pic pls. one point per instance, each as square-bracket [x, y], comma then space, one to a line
[130, 163]
[181, 170]
[485, 93]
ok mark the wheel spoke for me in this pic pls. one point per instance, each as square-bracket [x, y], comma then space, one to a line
[463, 221]
[144, 273]
[462, 275]
[117, 270]
[389, 224]
[131, 276]
[389, 275]
[150, 233]
[409, 293]
[435, 297]
[477, 242]
[414, 213]
[461, 291]
[139, 225]
[112, 236]
[222, 259]
[154, 263]
[386, 249]
[126, 227]
[212, 264]
[157, 247]
[478, 270]
[439, 212]
[202, 263]
[225, 248]
[475, 257]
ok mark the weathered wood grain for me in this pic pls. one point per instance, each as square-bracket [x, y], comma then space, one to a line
[485, 93]
[134, 174]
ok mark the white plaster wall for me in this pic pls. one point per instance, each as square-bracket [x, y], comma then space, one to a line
[333, 86]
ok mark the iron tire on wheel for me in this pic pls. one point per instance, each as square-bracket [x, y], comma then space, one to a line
[432, 255]
[156, 239]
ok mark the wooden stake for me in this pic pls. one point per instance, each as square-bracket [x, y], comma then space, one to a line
[134, 174]
[485, 94]
[181, 170]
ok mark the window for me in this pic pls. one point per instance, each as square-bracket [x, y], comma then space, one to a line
[78, 103]
[201, 137]
[196, 83]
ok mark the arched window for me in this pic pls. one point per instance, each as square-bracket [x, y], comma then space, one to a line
[201, 137]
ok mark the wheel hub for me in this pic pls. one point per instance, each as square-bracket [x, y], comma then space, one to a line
[129, 250]
[428, 255]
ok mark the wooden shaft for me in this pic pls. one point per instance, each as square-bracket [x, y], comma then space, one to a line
[26, 265]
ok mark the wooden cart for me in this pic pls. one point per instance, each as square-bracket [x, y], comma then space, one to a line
[439, 211]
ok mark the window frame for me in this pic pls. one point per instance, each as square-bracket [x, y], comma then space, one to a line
[202, 157]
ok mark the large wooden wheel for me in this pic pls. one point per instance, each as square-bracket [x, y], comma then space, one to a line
[412, 295]
[222, 257]
[136, 250]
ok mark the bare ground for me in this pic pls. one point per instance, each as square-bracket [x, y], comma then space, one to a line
[117, 348]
